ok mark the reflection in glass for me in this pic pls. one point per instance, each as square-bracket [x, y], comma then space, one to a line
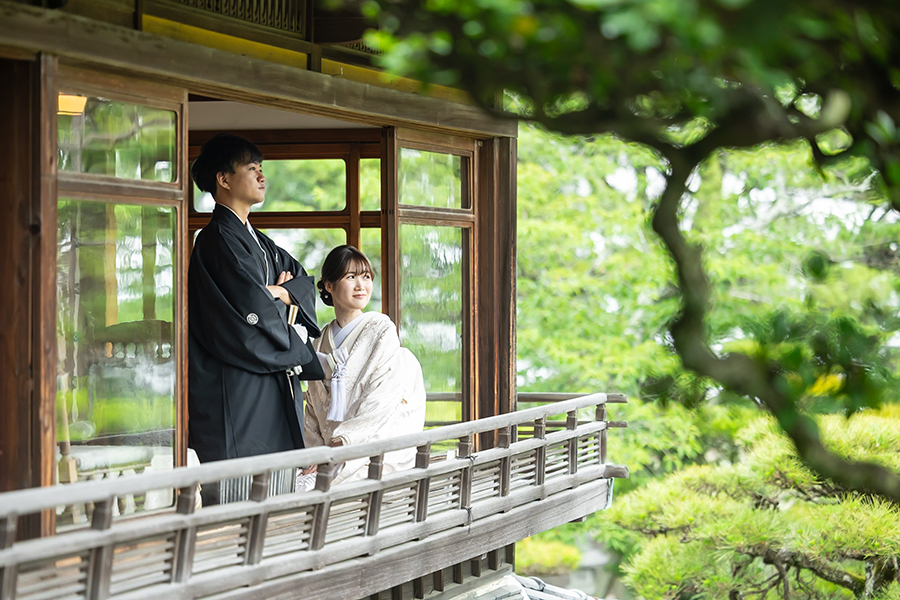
[116, 368]
[203, 201]
[310, 247]
[118, 139]
[370, 184]
[291, 185]
[430, 179]
[370, 245]
[431, 286]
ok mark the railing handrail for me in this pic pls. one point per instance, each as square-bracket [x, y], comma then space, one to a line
[36, 499]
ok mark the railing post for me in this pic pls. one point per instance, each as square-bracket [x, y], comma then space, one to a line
[7, 539]
[324, 475]
[259, 491]
[423, 486]
[504, 440]
[373, 510]
[419, 587]
[100, 562]
[8, 526]
[464, 450]
[571, 425]
[600, 415]
[475, 564]
[458, 576]
[540, 453]
[186, 539]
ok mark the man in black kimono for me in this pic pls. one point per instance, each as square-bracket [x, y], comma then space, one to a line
[241, 347]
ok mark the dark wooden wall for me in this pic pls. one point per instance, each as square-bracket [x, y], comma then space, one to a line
[27, 301]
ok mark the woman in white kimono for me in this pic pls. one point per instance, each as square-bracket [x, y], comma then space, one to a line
[373, 388]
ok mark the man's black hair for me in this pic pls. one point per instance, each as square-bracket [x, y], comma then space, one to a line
[222, 154]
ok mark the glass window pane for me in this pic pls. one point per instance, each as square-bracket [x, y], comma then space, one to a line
[370, 245]
[370, 184]
[443, 411]
[431, 307]
[295, 185]
[118, 139]
[430, 179]
[116, 371]
[310, 247]
[203, 201]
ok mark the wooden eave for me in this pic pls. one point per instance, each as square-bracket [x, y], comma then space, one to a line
[87, 43]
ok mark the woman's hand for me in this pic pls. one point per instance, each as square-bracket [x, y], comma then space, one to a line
[278, 292]
[310, 470]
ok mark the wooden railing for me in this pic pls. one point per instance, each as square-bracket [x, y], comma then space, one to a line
[349, 541]
[521, 398]
[284, 15]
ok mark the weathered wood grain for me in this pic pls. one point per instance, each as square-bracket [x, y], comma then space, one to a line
[382, 527]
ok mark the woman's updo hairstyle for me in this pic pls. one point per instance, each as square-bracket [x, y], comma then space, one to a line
[338, 263]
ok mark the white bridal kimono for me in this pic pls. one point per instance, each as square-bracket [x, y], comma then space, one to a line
[381, 386]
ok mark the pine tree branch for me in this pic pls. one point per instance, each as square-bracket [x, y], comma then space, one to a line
[740, 373]
[783, 558]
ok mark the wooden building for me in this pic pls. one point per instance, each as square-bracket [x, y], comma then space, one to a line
[105, 103]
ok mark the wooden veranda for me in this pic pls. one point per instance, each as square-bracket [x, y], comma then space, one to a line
[411, 534]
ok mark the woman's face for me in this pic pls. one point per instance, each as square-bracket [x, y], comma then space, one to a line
[352, 291]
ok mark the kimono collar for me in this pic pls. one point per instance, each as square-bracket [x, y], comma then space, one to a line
[220, 209]
[247, 222]
[340, 333]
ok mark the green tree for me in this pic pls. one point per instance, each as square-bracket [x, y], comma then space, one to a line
[766, 526]
[687, 78]
[585, 245]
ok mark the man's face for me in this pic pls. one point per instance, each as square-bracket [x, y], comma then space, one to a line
[247, 184]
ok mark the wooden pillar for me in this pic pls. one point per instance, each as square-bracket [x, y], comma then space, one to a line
[390, 225]
[506, 272]
[353, 165]
[27, 277]
[496, 276]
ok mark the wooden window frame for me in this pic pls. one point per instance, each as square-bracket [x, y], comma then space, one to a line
[385, 143]
[28, 274]
[109, 189]
[396, 214]
[351, 145]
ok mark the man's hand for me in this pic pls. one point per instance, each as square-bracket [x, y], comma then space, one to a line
[310, 470]
[278, 292]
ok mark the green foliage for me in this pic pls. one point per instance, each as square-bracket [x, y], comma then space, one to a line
[669, 73]
[585, 245]
[777, 280]
[431, 306]
[116, 415]
[304, 185]
[115, 298]
[892, 592]
[118, 139]
[766, 523]
[545, 557]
